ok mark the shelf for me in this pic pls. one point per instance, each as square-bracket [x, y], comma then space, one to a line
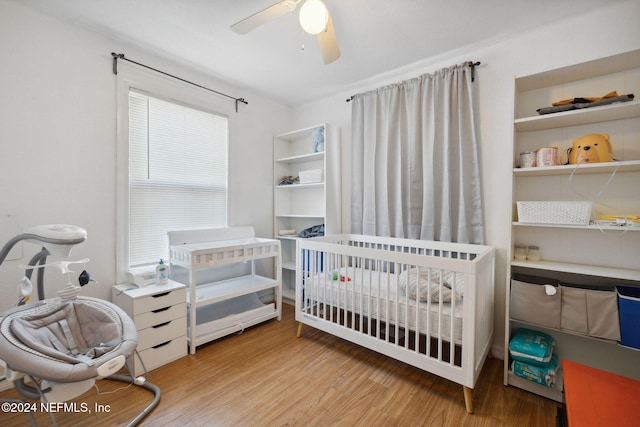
[300, 133]
[565, 331]
[226, 289]
[289, 265]
[297, 216]
[204, 334]
[579, 227]
[553, 393]
[624, 110]
[289, 237]
[302, 158]
[584, 70]
[608, 167]
[298, 186]
[587, 270]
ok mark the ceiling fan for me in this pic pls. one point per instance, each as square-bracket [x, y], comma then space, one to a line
[314, 19]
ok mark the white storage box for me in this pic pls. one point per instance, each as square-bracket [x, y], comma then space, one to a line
[570, 213]
[310, 176]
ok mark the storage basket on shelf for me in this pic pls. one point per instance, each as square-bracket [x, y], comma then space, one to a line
[310, 176]
[552, 212]
[629, 312]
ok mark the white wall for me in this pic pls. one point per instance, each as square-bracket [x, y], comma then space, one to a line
[58, 142]
[611, 30]
[58, 133]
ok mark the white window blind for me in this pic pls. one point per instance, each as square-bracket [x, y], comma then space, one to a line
[177, 173]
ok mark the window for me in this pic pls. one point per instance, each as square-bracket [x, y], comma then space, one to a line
[177, 173]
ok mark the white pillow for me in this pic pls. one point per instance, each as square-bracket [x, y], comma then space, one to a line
[429, 283]
[457, 284]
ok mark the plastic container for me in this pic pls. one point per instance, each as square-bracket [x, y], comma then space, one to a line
[520, 252]
[162, 273]
[533, 253]
[629, 313]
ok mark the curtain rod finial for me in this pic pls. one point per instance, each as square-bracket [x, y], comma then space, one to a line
[116, 56]
[473, 66]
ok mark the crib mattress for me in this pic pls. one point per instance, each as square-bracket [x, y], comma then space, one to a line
[375, 295]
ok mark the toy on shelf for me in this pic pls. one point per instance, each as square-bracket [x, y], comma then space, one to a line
[591, 148]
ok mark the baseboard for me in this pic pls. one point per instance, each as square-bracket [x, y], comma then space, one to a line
[5, 385]
[497, 352]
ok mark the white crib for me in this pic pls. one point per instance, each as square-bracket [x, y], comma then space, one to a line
[428, 304]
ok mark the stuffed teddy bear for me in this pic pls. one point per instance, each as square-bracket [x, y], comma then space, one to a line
[591, 148]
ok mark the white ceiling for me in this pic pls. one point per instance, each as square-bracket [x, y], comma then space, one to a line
[375, 36]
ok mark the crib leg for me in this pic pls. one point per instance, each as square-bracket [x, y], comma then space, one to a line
[299, 333]
[468, 399]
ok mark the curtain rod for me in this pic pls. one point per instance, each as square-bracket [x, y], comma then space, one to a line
[117, 56]
[471, 64]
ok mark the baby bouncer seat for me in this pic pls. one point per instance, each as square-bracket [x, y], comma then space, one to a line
[65, 344]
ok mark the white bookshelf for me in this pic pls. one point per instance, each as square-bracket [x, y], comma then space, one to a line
[303, 205]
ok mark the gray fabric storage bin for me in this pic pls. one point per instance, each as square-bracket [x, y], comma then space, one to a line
[602, 314]
[529, 303]
[573, 315]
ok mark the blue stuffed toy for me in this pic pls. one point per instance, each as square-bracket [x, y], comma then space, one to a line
[317, 137]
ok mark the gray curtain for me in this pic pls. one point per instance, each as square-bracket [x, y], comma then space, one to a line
[415, 166]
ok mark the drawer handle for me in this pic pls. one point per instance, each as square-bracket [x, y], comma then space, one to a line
[164, 294]
[160, 310]
[162, 345]
[161, 324]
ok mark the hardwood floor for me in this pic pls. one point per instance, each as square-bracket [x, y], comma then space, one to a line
[268, 377]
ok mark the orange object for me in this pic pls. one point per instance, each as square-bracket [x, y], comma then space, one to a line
[598, 398]
[591, 148]
[611, 94]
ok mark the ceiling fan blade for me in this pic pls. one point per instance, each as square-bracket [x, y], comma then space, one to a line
[257, 19]
[329, 43]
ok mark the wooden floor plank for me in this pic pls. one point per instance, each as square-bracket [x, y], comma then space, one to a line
[268, 377]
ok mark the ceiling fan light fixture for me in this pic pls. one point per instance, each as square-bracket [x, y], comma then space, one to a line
[314, 16]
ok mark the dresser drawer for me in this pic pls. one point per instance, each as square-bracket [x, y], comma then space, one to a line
[160, 333]
[160, 315]
[136, 301]
[160, 354]
[159, 300]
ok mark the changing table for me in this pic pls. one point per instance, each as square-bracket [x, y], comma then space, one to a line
[223, 306]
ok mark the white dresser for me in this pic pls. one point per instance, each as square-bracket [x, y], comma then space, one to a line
[159, 313]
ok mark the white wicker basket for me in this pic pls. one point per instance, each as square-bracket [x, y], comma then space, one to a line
[571, 213]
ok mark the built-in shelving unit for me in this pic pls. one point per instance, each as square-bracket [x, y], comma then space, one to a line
[594, 256]
[302, 205]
